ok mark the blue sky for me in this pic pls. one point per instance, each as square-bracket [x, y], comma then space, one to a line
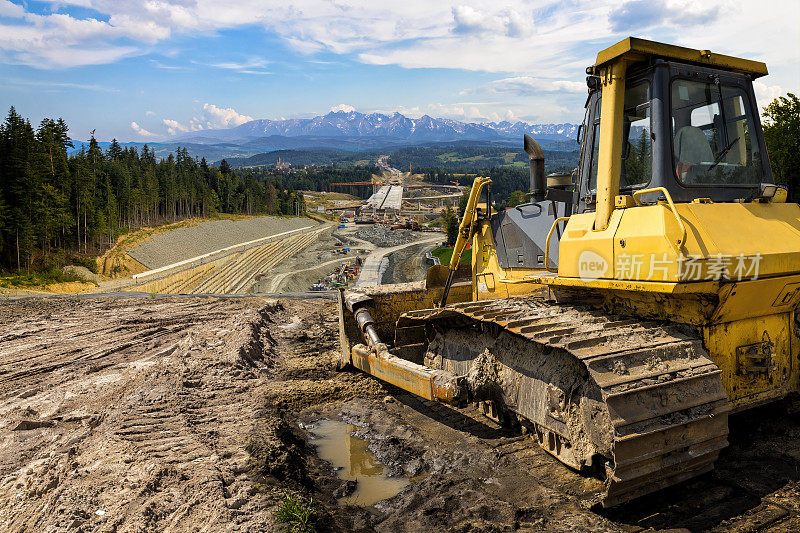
[151, 69]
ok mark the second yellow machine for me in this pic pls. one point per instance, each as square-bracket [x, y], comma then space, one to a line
[621, 314]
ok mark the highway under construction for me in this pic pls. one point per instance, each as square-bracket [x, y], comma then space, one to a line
[397, 194]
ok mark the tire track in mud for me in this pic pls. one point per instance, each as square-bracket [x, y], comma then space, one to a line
[133, 415]
[190, 427]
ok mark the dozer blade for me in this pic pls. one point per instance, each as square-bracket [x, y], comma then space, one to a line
[387, 302]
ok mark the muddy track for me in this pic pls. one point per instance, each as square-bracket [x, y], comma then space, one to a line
[642, 395]
[131, 415]
[183, 414]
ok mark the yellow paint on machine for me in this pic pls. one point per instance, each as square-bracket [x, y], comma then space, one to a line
[634, 48]
[645, 237]
[755, 356]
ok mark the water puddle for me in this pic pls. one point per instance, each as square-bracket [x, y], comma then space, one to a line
[354, 462]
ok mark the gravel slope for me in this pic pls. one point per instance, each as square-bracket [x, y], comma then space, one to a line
[206, 237]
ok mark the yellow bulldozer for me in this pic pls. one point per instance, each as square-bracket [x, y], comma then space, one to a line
[621, 314]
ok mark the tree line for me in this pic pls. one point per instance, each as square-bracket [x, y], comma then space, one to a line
[54, 203]
[316, 178]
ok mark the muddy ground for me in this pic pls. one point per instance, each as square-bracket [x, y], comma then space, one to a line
[299, 272]
[186, 414]
[407, 265]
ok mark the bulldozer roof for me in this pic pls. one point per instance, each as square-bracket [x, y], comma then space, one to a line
[637, 49]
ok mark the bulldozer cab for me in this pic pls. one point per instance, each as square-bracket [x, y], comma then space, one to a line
[665, 116]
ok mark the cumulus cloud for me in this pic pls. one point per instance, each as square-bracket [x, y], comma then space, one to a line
[173, 126]
[342, 107]
[509, 22]
[209, 117]
[140, 131]
[767, 93]
[8, 9]
[222, 117]
[58, 40]
[641, 14]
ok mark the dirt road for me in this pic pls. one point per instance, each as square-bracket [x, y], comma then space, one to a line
[185, 414]
[370, 272]
[408, 264]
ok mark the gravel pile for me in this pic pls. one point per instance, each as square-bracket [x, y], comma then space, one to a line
[383, 237]
[185, 243]
[82, 272]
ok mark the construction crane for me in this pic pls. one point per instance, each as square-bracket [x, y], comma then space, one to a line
[622, 312]
[359, 183]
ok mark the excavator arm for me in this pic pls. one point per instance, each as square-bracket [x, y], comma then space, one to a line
[465, 231]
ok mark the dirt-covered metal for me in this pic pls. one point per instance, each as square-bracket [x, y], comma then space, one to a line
[637, 401]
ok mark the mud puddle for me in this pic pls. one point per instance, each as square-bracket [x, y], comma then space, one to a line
[354, 462]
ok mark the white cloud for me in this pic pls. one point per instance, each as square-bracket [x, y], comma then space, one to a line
[342, 107]
[149, 113]
[222, 117]
[210, 117]
[159, 64]
[53, 86]
[507, 22]
[251, 66]
[59, 41]
[767, 93]
[638, 15]
[173, 126]
[141, 131]
[8, 9]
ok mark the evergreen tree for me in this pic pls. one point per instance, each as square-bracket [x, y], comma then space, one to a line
[81, 203]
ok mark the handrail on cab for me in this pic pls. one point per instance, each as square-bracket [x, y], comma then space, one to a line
[666, 194]
[547, 244]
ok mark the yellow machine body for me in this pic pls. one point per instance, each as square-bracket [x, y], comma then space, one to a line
[748, 326]
[714, 284]
[681, 262]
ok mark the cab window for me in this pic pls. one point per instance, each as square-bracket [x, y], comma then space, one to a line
[637, 148]
[637, 145]
[711, 125]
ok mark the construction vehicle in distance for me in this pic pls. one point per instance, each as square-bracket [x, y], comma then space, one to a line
[623, 313]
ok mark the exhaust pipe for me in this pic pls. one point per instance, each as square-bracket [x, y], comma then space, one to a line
[536, 160]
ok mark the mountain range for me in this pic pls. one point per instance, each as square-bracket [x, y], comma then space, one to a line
[355, 132]
[391, 129]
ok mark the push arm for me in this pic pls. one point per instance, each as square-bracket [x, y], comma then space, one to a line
[465, 231]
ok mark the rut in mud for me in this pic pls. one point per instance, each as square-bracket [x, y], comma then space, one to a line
[183, 414]
[130, 414]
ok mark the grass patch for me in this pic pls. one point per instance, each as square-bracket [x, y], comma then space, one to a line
[35, 279]
[445, 254]
[298, 514]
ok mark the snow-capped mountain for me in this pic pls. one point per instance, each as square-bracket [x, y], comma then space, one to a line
[396, 126]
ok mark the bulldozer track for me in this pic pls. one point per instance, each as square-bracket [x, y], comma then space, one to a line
[666, 405]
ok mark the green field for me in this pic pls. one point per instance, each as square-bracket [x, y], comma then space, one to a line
[445, 253]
